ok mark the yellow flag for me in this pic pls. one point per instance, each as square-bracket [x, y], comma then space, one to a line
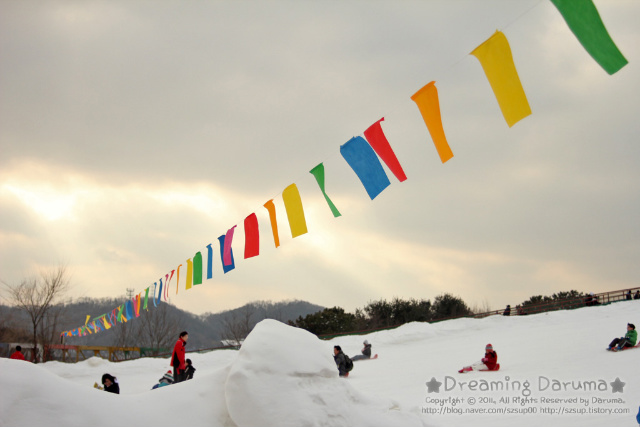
[496, 60]
[429, 105]
[295, 212]
[189, 274]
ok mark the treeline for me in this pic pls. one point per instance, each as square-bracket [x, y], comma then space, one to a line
[560, 296]
[381, 314]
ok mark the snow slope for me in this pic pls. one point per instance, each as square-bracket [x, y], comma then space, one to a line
[286, 377]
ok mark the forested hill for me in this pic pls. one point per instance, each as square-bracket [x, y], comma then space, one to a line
[159, 327]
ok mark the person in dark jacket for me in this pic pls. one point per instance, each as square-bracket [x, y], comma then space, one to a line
[17, 354]
[177, 358]
[366, 352]
[110, 384]
[190, 370]
[488, 363]
[341, 362]
[507, 311]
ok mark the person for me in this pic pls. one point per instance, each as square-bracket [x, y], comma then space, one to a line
[629, 297]
[167, 379]
[17, 354]
[177, 358]
[588, 300]
[488, 363]
[366, 352]
[637, 294]
[507, 311]
[110, 384]
[341, 361]
[629, 340]
[190, 370]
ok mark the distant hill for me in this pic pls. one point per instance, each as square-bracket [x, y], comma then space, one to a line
[160, 326]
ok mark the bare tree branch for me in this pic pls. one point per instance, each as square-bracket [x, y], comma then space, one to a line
[37, 296]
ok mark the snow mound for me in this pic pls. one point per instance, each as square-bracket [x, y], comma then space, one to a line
[285, 376]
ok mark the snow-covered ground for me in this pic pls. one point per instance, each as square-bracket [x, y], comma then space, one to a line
[286, 377]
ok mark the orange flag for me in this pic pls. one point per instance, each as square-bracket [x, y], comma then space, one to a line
[429, 105]
[274, 223]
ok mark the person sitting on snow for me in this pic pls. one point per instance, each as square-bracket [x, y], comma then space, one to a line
[629, 340]
[488, 363]
[167, 379]
[190, 370]
[366, 352]
[110, 384]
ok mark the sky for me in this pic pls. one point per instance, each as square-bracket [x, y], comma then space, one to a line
[134, 133]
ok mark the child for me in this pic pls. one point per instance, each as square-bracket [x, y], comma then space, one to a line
[488, 363]
[629, 340]
[110, 384]
[167, 379]
[190, 369]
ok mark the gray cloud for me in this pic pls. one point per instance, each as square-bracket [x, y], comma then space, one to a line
[139, 114]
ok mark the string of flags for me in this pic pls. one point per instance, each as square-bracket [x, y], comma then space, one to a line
[364, 157]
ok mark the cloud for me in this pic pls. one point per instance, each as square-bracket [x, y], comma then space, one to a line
[133, 136]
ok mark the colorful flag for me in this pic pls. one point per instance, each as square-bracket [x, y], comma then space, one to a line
[251, 236]
[318, 173]
[583, 19]
[429, 106]
[364, 162]
[189, 274]
[295, 211]
[225, 268]
[197, 269]
[209, 261]
[497, 62]
[274, 223]
[228, 240]
[378, 141]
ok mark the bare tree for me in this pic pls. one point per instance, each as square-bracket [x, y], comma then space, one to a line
[126, 335]
[37, 297]
[158, 329]
[238, 325]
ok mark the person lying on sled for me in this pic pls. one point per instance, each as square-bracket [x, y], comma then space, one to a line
[488, 363]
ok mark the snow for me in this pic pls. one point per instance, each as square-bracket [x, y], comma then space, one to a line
[283, 376]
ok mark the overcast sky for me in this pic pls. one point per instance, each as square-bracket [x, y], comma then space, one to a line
[134, 133]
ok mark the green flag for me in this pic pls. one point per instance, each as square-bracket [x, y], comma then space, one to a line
[583, 19]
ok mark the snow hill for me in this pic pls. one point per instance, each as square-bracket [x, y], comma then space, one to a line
[555, 371]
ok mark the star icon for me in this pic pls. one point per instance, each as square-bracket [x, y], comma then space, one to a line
[433, 386]
[617, 386]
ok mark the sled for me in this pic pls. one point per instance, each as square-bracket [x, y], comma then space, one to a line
[497, 368]
[624, 348]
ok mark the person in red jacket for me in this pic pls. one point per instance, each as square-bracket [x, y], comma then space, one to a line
[177, 358]
[488, 363]
[17, 354]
